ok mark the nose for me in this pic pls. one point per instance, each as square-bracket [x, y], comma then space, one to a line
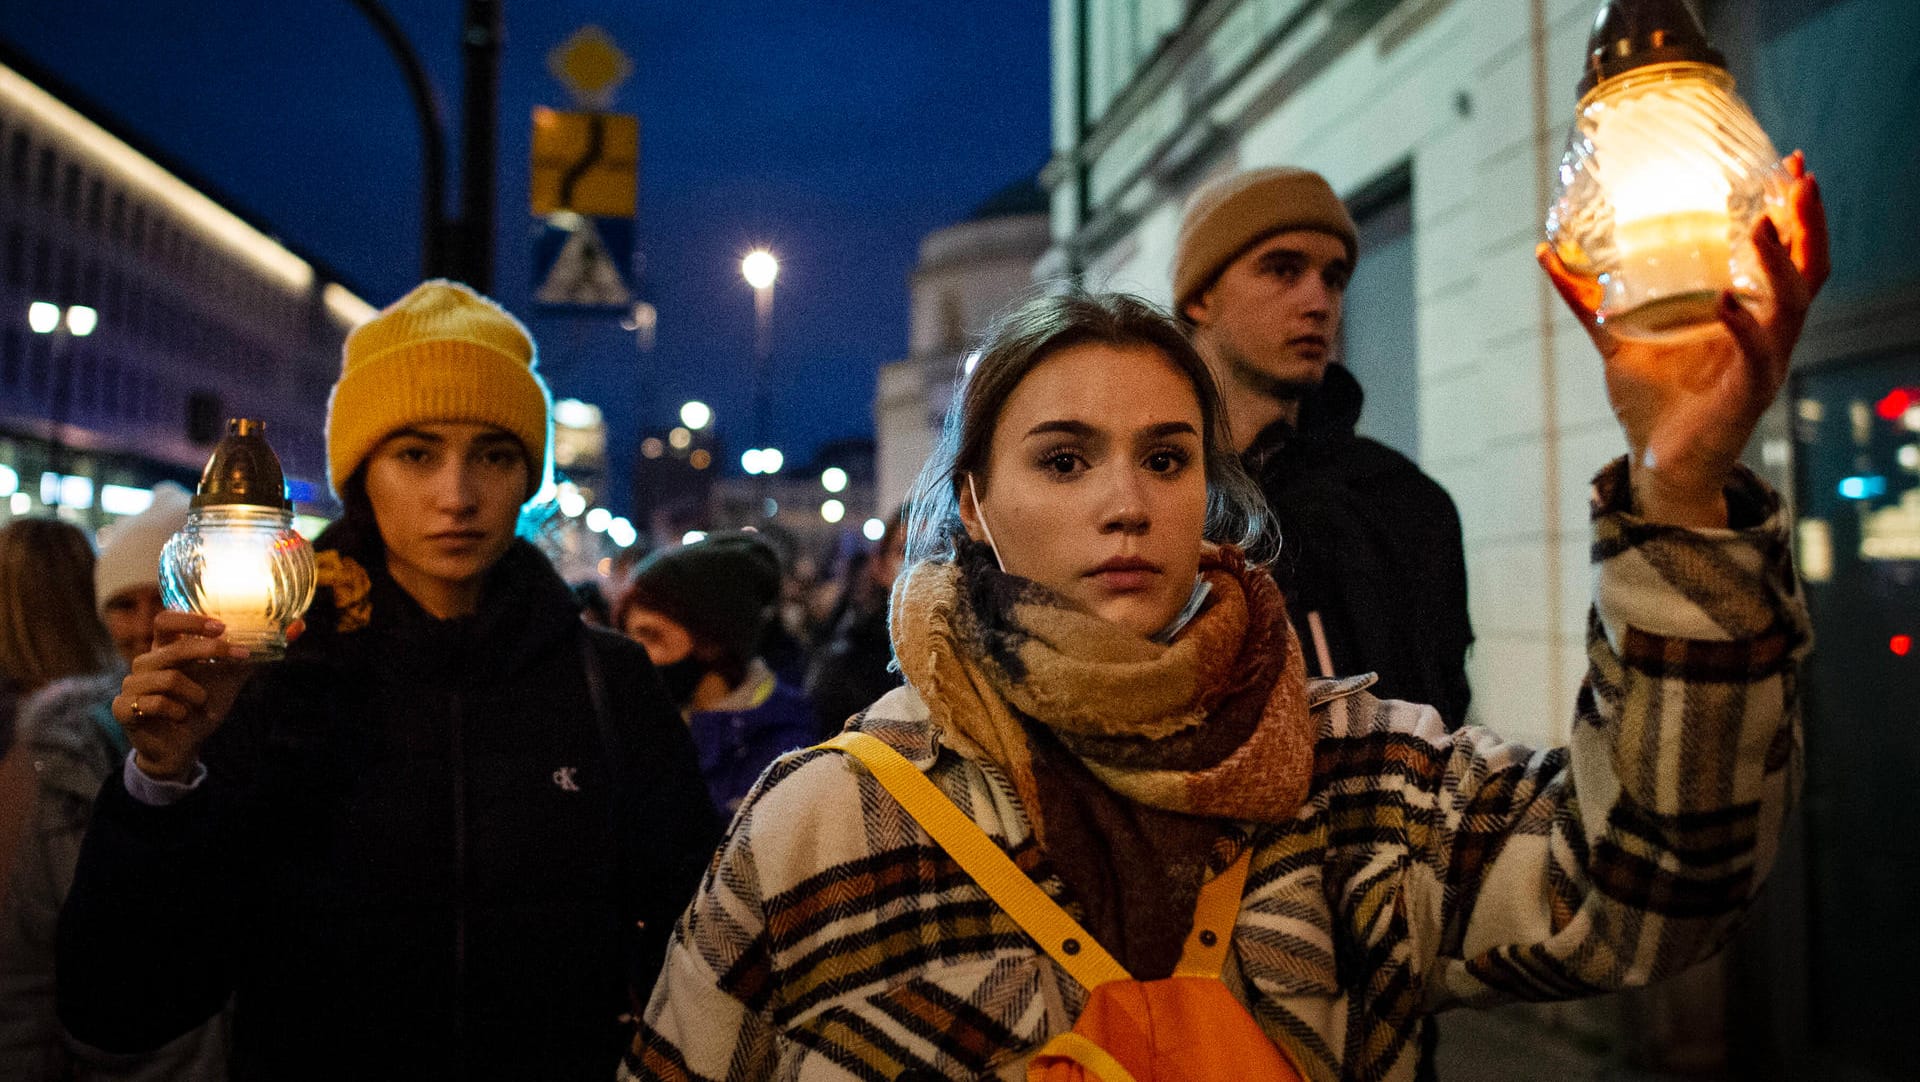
[456, 488]
[1123, 508]
[1319, 300]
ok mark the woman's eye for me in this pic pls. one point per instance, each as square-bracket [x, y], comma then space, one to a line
[411, 455]
[1060, 462]
[1168, 461]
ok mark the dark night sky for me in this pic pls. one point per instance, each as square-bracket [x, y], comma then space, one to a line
[837, 133]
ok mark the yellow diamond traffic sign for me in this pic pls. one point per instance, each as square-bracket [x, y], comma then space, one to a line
[590, 64]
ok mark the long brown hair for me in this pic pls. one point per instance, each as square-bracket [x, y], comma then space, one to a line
[49, 628]
[1018, 343]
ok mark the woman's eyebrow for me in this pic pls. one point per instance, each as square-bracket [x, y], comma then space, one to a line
[1169, 428]
[1072, 428]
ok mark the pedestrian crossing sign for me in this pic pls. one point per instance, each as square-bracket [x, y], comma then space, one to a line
[583, 263]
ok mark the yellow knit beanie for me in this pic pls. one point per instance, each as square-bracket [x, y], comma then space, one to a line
[440, 353]
[1234, 212]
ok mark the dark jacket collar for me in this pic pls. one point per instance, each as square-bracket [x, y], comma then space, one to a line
[1328, 415]
[524, 607]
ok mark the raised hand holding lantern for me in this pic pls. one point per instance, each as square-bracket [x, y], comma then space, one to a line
[1664, 175]
[238, 558]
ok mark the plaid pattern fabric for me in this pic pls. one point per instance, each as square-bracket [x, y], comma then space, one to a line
[832, 939]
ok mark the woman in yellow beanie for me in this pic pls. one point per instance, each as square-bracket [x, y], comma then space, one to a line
[449, 834]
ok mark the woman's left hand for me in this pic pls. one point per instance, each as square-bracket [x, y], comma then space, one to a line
[1688, 408]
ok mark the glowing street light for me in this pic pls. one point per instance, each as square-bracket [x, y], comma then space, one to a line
[873, 529]
[760, 268]
[1664, 175]
[771, 460]
[599, 519]
[81, 320]
[43, 317]
[696, 415]
[833, 479]
[833, 510]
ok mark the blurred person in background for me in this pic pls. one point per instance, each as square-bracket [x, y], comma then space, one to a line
[852, 665]
[701, 610]
[1374, 567]
[48, 632]
[75, 744]
[446, 835]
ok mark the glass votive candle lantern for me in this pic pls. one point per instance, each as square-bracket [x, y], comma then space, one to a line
[1664, 175]
[238, 559]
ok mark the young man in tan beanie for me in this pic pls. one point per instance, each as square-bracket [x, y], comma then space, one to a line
[1371, 561]
[448, 835]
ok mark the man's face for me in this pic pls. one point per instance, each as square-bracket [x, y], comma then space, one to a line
[1270, 319]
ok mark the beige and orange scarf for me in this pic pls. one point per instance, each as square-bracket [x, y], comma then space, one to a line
[1213, 724]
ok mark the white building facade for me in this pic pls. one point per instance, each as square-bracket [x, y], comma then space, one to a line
[967, 274]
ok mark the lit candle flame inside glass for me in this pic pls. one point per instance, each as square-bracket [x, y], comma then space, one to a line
[1664, 174]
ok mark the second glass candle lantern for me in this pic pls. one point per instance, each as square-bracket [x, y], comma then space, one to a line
[1664, 175]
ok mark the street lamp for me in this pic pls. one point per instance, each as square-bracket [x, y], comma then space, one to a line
[1664, 175]
[45, 317]
[760, 269]
[833, 479]
[696, 415]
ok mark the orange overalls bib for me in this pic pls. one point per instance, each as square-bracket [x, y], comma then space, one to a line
[1185, 1028]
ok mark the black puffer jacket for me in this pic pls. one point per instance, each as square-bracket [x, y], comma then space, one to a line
[1373, 546]
[404, 862]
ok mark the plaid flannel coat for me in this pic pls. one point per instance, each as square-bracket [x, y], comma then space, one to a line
[833, 939]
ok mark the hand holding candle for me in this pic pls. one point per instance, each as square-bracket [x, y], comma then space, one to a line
[1688, 405]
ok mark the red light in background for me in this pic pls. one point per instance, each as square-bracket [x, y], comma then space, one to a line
[1894, 404]
[1900, 644]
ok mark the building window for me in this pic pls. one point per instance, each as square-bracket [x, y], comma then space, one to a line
[16, 256]
[47, 184]
[96, 202]
[11, 350]
[1379, 338]
[70, 192]
[39, 360]
[117, 216]
[17, 156]
[69, 276]
[42, 265]
[137, 230]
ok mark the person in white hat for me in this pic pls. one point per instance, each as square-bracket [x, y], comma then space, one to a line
[126, 579]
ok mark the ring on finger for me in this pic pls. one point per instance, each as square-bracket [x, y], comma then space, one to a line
[133, 705]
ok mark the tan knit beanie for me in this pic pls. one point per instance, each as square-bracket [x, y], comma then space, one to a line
[1231, 214]
[440, 353]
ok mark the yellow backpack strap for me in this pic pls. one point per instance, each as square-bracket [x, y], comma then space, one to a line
[1096, 1062]
[1205, 954]
[1039, 916]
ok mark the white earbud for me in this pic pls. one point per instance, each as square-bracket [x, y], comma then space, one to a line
[982, 516]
